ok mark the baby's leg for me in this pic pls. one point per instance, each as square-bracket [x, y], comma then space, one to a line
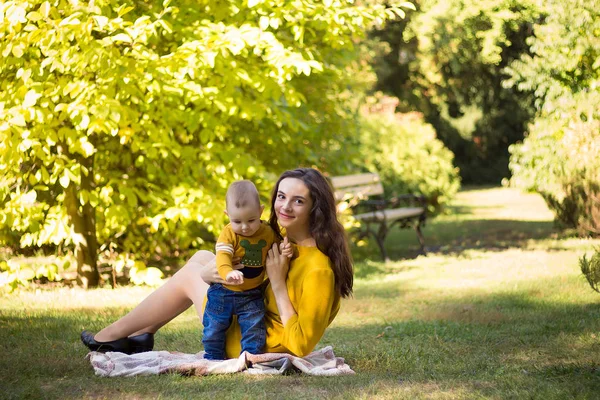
[182, 290]
[216, 320]
[251, 320]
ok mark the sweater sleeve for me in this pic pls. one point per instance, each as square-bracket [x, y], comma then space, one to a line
[224, 250]
[303, 331]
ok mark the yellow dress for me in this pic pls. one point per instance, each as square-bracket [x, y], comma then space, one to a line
[311, 287]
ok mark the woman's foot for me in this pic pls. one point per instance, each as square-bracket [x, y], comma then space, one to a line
[141, 343]
[119, 345]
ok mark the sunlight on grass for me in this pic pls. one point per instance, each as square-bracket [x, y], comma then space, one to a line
[499, 203]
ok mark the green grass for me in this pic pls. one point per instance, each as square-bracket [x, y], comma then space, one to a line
[497, 309]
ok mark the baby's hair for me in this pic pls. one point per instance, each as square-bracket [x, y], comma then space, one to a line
[242, 193]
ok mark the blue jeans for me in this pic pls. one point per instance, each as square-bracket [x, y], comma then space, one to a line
[221, 306]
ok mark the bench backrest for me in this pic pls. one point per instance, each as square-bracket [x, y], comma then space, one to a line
[356, 186]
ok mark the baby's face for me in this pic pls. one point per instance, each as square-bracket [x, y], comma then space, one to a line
[245, 221]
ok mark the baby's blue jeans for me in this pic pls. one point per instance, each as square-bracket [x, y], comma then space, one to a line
[221, 306]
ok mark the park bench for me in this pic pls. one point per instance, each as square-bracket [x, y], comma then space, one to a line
[377, 215]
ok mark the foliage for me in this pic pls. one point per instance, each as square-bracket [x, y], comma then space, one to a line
[15, 273]
[121, 124]
[591, 269]
[409, 158]
[446, 61]
[560, 158]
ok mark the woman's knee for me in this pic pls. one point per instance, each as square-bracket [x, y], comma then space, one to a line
[201, 257]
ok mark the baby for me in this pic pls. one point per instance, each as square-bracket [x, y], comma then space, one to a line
[247, 238]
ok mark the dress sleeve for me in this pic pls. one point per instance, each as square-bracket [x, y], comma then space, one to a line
[303, 331]
[224, 250]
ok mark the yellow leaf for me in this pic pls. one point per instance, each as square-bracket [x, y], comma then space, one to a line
[45, 9]
[7, 50]
[17, 120]
[15, 15]
[101, 21]
[264, 23]
[34, 16]
[64, 180]
[18, 51]
[31, 98]
[88, 148]
[121, 37]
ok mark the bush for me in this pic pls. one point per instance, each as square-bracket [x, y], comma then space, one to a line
[560, 159]
[405, 152]
[20, 272]
[591, 269]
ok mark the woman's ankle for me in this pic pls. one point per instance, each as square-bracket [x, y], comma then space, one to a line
[105, 336]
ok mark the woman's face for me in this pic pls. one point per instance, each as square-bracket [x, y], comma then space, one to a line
[293, 204]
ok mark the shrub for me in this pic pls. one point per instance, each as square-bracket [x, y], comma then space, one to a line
[405, 152]
[560, 159]
[591, 269]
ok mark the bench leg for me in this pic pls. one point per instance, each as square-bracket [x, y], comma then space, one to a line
[382, 247]
[420, 237]
[380, 238]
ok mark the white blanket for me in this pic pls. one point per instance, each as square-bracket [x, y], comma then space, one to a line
[321, 362]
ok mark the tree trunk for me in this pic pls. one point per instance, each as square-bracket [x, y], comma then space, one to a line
[83, 219]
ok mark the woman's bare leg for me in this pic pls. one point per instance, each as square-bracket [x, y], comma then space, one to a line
[182, 290]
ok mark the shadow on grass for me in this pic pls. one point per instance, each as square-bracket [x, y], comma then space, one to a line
[368, 269]
[497, 345]
[454, 237]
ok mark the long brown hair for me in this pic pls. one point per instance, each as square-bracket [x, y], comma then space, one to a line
[324, 226]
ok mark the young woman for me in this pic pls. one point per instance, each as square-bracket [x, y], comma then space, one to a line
[301, 298]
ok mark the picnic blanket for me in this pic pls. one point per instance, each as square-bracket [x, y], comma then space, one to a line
[321, 363]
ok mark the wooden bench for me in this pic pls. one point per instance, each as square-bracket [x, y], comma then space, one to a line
[377, 216]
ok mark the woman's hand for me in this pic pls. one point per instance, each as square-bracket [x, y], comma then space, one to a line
[277, 269]
[209, 273]
[277, 265]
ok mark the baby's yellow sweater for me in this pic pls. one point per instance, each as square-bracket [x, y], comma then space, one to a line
[311, 287]
[251, 250]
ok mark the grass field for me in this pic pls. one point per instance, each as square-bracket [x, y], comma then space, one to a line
[498, 309]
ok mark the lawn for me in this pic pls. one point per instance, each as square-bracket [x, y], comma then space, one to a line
[497, 309]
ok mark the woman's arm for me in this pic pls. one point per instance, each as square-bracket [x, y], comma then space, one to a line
[302, 327]
[303, 331]
[277, 269]
[209, 273]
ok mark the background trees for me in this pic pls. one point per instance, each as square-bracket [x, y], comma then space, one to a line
[447, 61]
[560, 158]
[121, 124]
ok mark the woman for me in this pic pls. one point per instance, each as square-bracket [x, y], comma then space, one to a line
[301, 298]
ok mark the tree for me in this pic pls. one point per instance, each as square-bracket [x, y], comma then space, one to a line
[121, 125]
[560, 156]
[447, 61]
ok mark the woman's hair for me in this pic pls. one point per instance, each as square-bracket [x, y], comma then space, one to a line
[324, 226]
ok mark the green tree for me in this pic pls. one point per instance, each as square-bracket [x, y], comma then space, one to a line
[121, 124]
[560, 157]
[447, 61]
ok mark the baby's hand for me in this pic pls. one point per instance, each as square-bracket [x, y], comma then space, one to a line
[286, 248]
[235, 277]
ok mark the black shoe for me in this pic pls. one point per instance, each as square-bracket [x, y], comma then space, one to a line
[119, 345]
[141, 343]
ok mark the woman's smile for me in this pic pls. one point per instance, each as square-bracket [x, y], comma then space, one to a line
[282, 215]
